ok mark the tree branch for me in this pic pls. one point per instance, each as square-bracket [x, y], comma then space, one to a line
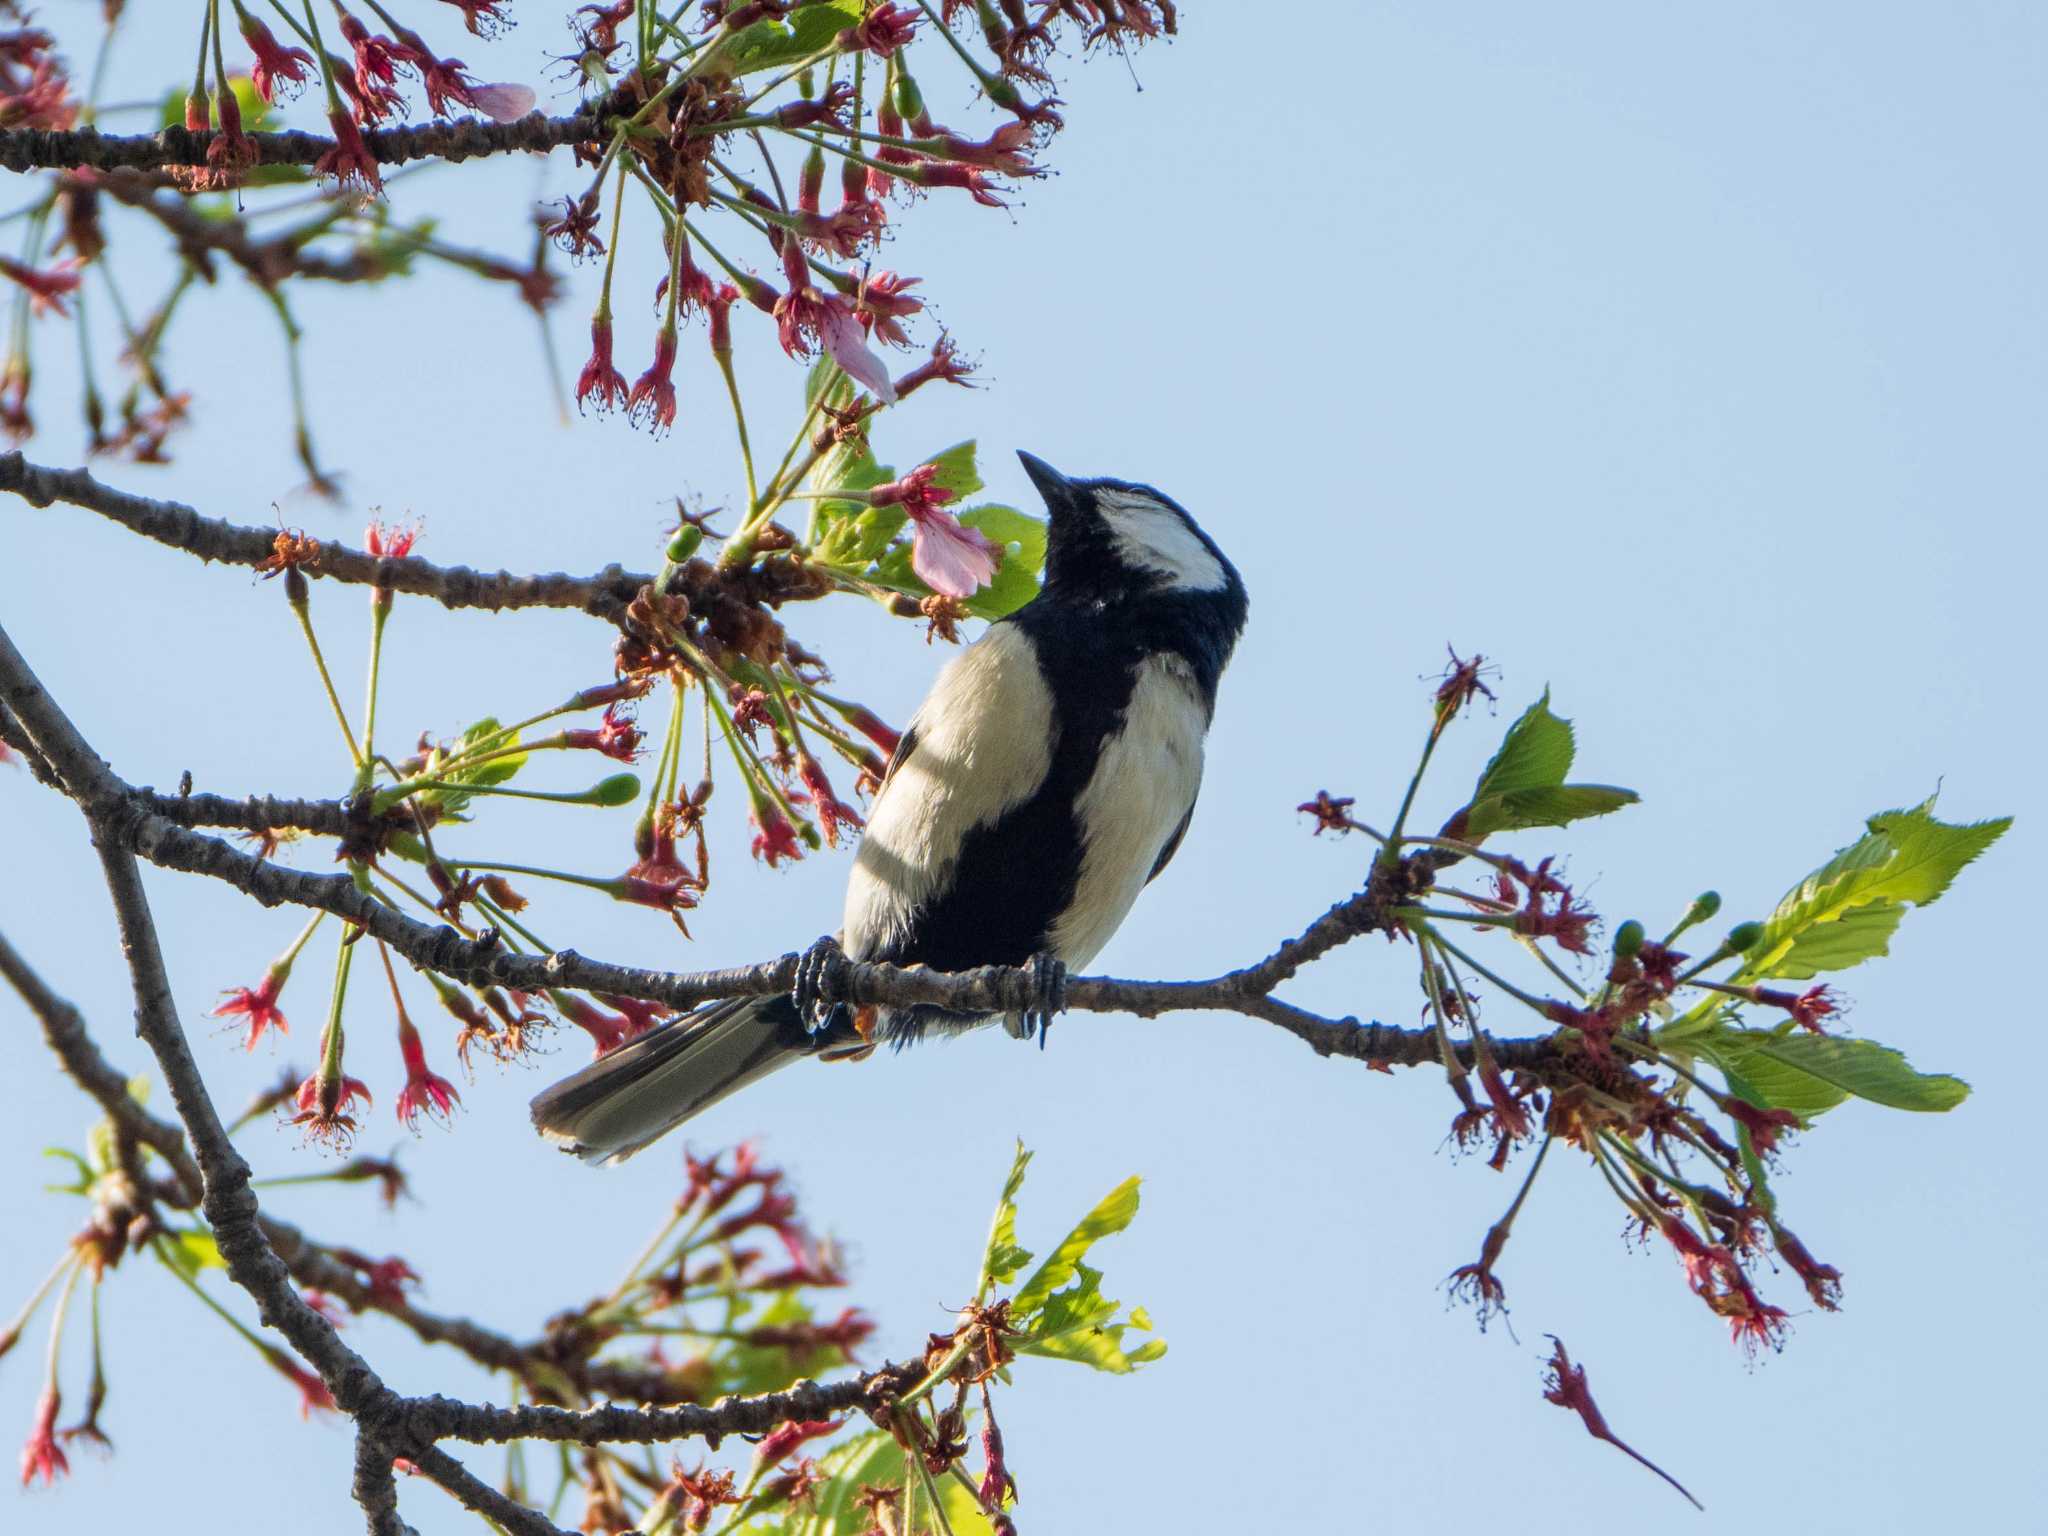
[126, 819]
[604, 595]
[440, 1418]
[387, 1424]
[309, 1261]
[65, 1032]
[269, 261]
[30, 149]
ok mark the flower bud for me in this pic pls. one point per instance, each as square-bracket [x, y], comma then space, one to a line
[1628, 938]
[1743, 937]
[906, 98]
[1704, 906]
[619, 789]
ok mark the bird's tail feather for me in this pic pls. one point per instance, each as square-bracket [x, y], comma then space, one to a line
[641, 1091]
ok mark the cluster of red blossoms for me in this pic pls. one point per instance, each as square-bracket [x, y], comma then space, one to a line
[1640, 1117]
[863, 109]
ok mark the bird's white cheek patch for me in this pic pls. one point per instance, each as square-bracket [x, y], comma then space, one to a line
[1142, 788]
[1156, 538]
[984, 744]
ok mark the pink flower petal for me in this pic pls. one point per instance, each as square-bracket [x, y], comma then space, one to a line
[949, 558]
[848, 344]
[503, 103]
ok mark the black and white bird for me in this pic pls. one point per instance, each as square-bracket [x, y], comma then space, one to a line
[1049, 775]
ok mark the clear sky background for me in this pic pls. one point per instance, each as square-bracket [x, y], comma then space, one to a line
[1689, 360]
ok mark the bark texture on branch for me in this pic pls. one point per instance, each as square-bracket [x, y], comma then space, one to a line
[47, 149]
[604, 594]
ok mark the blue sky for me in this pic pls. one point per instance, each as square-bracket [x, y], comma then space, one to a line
[1688, 362]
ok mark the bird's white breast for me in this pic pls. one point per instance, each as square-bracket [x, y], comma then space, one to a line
[1143, 786]
[984, 739]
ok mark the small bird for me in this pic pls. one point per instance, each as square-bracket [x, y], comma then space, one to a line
[1049, 775]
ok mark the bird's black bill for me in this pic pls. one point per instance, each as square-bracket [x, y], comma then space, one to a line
[1052, 485]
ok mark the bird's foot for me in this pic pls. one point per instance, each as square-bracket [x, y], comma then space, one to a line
[1048, 997]
[819, 971]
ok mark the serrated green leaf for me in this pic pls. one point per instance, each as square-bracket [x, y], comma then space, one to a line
[1808, 1073]
[1767, 1082]
[1536, 753]
[1555, 805]
[1906, 856]
[1111, 1214]
[956, 470]
[1003, 1259]
[775, 44]
[1080, 1324]
[1859, 934]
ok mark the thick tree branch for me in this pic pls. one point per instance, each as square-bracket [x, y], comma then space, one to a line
[124, 818]
[605, 594]
[31, 149]
[440, 1418]
[257, 813]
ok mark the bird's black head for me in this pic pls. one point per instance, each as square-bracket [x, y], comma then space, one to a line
[1134, 555]
[1119, 542]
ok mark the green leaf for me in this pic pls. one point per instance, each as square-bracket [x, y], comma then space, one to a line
[256, 112]
[1553, 805]
[99, 1147]
[1906, 856]
[872, 1460]
[1111, 1214]
[484, 774]
[1809, 1073]
[1752, 1165]
[1002, 1259]
[1536, 753]
[851, 532]
[1021, 534]
[1080, 1324]
[79, 1186]
[774, 44]
[827, 384]
[194, 1250]
[1859, 934]
[1016, 579]
[956, 470]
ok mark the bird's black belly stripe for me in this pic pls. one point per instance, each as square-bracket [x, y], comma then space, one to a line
[1016, 875]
